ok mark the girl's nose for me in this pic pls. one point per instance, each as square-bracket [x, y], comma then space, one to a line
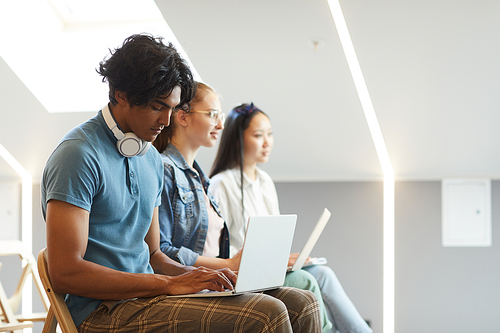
[220, 125]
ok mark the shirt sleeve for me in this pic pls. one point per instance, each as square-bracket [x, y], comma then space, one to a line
[219, 190]
[161, 178]
[182, 254]
[274, 199]
[72, 174]
[269, 193]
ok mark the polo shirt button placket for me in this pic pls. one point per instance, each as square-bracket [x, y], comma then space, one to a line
[133, 183]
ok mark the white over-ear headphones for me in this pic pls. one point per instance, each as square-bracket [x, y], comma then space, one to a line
[128, 144]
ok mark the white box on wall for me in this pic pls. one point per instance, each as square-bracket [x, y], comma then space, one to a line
[466, 212]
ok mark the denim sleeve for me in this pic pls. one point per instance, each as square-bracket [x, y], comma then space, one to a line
[167, 221]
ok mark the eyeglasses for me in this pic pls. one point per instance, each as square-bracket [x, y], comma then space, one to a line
[215, 116]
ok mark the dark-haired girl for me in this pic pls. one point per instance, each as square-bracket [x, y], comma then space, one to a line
[243, 189]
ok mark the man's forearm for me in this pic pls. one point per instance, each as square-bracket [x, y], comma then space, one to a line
[95, 281]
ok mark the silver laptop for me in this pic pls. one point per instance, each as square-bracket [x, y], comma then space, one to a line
[306, 250]
[264, 258]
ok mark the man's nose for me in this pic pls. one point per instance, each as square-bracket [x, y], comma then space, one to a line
[165, 118]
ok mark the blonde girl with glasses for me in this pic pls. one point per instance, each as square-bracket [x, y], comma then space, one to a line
[193, 232]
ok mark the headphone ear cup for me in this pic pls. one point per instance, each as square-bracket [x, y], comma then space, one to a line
[145, 147]
[130, 145]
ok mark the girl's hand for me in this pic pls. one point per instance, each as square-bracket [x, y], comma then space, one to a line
[234, 262]
[293, 258]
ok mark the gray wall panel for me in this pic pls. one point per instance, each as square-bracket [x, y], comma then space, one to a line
[437, 289]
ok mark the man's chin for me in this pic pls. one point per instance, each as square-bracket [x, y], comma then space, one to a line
[149, 139]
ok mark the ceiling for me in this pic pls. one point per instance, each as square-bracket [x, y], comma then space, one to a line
[432, 69]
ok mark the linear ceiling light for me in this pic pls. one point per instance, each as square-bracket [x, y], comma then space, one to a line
[383, 156]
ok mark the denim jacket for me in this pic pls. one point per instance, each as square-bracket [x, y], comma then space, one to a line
[183, 213]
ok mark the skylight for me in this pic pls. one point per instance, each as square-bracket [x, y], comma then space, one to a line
[78, 11]
[58, 45]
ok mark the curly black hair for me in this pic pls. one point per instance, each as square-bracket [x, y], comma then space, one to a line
[145, 68]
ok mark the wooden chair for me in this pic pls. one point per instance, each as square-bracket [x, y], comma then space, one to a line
[58, 312]
[15, 247]
[9, 306]
[8, 321]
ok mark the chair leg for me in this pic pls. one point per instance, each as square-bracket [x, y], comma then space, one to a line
[50, 322]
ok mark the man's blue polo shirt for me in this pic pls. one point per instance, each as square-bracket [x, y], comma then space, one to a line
[120, 193]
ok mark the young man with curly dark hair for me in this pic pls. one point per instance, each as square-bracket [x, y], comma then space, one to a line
[101, 190]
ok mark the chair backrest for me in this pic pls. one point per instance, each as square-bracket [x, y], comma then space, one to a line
[58, 307]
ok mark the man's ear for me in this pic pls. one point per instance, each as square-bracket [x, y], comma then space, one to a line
[121, 98]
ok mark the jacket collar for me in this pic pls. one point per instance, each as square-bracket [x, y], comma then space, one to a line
[176, 157]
